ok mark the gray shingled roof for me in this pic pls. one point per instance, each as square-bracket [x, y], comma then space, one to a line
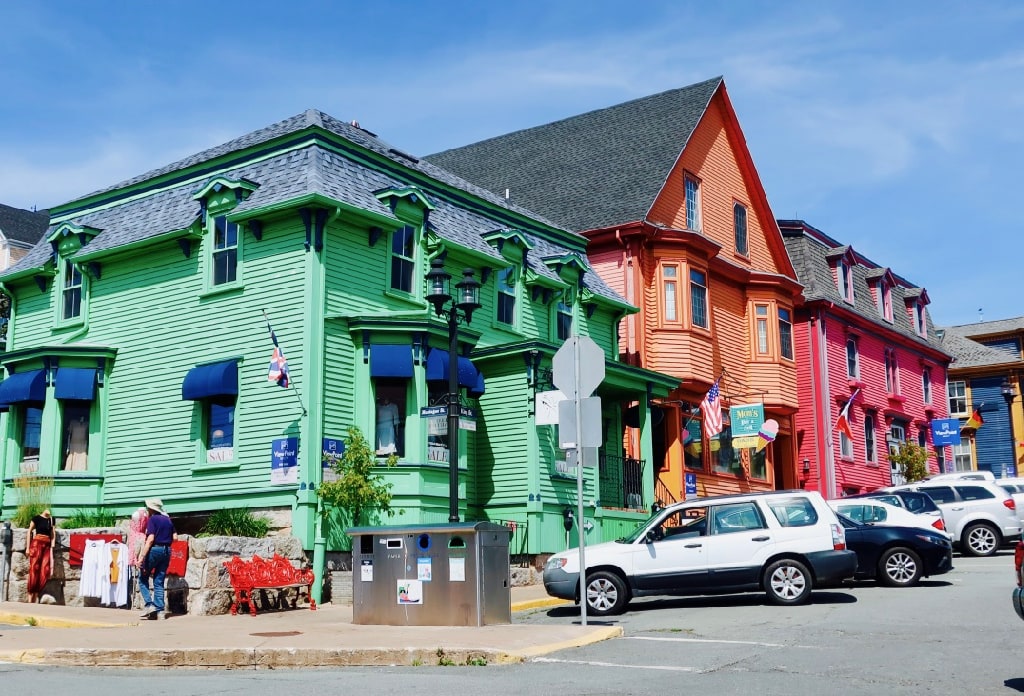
[590, 171]
[810, 258]
[292, 174]
[969, 353]
[985, 328]
[25, 226]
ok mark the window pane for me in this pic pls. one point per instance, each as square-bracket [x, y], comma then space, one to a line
[671, 313]
[762, 336]
[401, 274]
[31, 431]
[785, 334]
[699, 299]
[692, 205]
[506, 296]
[740, 224]
[852, 367]
[221, 431]
[75, 455]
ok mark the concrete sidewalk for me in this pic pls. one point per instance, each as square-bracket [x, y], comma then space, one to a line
[101, 637]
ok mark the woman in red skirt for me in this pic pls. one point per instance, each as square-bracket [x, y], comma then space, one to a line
[41, 539]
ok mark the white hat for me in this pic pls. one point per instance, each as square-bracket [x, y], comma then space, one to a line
[156, 505]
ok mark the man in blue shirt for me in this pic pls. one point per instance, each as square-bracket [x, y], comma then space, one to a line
[156, 556]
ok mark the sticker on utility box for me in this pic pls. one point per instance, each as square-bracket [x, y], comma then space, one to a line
[410, 592]
[423, 569]
[456, 569]
[366, 570]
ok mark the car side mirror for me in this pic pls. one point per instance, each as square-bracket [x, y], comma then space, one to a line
[654, 535]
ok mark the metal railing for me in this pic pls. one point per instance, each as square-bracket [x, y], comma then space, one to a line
[622, 482]
[662, 494]
[517, 543]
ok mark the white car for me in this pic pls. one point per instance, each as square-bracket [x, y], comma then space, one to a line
[783, 543]
[979, 514]
[869, 511]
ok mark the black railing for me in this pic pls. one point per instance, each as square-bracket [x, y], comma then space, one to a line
[517, 543]
[622, 482]
[662, 495]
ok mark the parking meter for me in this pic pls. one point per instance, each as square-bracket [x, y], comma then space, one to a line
[7, 537]
[567, 519]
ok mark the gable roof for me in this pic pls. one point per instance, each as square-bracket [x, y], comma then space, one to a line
[25, 226]
[299, 163]
[967, 352]
[590, 171]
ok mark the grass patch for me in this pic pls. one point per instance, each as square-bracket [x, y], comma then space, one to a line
[83, 519]
[236, 522]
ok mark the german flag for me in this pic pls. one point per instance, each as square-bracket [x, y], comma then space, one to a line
[975, 421]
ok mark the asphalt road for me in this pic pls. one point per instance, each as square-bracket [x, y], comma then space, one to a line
[955, 634]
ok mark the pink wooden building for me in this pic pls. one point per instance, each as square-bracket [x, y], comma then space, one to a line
[862, 333]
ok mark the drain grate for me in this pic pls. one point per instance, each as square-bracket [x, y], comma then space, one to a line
[276, 634]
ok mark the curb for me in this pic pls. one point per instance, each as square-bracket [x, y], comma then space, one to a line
[539, 603]
[285, 658]
[26, 618]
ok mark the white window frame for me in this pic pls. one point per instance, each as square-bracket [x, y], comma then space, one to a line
[225, 247]
[870, 442]
[699, 292]
[854, 357]
[926, 385]
[960, 398]
[691, 186]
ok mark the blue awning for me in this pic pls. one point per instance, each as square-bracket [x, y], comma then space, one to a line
[211, 381]
[24, 386]
[476, 391]
[437, 368]
[388, 360]
[75, 383]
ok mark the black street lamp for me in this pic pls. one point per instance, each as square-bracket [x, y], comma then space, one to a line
[1009, 394]
[461, 307]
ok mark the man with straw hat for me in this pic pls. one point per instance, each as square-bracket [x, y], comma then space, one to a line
[156, 556]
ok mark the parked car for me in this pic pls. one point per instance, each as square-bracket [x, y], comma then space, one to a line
[1015, 487]
[979, 514]
[979, 475]
[917, 502]
[877, 512]
[897, 556]
[783, 543]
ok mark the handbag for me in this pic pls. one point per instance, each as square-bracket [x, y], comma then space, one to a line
[1018, 601]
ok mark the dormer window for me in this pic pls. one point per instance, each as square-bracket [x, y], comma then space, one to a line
[920, 323]
[883, 300]
[506, 296]
[225, 250]
[564, 314]
[844, 279]
[71, 293]
[403, 258]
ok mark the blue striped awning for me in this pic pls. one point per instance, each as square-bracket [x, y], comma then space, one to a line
[211, 381]
[437, 368]
[388, 360]
[21, 387]
[75, 383]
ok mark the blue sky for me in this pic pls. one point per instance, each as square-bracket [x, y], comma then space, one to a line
[897, 127]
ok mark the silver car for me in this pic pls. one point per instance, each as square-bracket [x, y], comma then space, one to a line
[980, 514]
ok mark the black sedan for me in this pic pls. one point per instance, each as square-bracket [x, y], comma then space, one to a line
[897, 556]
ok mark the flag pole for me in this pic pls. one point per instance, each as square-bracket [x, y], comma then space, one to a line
[291, 382]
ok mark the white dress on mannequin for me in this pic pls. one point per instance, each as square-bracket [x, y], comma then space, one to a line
[387, 422]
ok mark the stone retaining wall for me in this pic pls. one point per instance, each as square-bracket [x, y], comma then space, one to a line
[205, 588]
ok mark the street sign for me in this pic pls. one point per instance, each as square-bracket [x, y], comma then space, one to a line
[691, 485]
[591, 426]
[591, 368]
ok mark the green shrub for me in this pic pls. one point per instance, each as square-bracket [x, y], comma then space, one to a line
[235, 522]
[81, 519]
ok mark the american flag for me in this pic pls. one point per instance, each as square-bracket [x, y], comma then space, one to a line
[711, 407]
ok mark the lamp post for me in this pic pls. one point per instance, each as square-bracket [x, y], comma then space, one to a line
[454, 309]
[1009, 394]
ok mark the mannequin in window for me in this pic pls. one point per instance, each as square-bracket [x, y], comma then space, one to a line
[387, 423]
[76, 456]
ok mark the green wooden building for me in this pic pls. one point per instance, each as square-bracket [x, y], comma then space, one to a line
[138, 350]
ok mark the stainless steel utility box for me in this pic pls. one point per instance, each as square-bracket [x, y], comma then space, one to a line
[431, 575]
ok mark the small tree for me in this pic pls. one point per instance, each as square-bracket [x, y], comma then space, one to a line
[912, 460]
[357, 490]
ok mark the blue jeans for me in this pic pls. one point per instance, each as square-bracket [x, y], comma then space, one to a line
[155, 568]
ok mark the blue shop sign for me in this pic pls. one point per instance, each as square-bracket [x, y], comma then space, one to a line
[945, 431]
[284, 461]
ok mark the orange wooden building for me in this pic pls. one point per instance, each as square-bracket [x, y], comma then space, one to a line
[678, 222]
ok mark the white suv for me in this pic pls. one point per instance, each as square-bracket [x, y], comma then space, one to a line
[980, 514]
[783, 543]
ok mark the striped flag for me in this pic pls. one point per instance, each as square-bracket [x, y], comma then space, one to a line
[843, 422]
[278, 370]
[975, 421]
[711, 408]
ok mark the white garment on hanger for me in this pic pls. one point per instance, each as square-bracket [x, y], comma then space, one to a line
[115, 558]
[93, 556]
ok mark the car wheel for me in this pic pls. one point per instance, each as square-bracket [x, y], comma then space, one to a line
[899, 567]
[980, 540]
[787, 582]
[606, 594]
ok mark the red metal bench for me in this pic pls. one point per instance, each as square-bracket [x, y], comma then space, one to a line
[276, 573]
